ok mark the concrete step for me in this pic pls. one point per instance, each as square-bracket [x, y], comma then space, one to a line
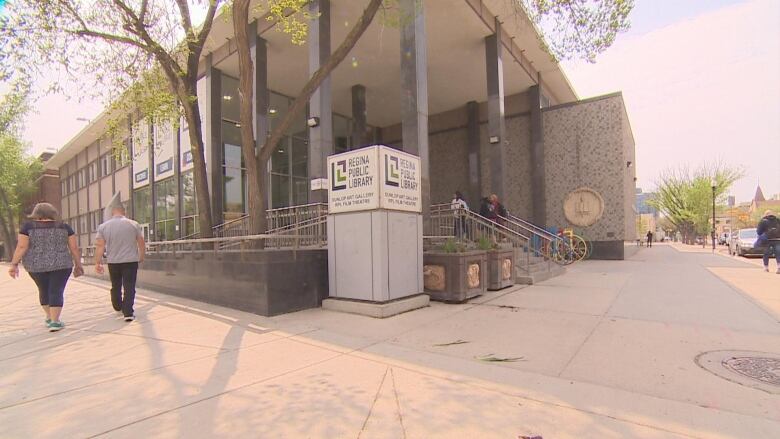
[538, 273]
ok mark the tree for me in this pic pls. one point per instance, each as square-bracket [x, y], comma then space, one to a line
[256, 159]
[117, 44]
[577, 28]
[18, 171]
[685, 198]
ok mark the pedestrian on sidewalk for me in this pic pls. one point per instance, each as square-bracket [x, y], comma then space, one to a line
[50, 253]
[649, 238]
[122, 241]
[768, 231]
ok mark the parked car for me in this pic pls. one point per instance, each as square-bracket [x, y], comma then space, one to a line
[723, 239]
[741, 243]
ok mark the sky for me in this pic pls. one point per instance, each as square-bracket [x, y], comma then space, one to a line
[701, 81]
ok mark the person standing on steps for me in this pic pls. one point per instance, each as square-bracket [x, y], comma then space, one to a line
[768, 231]
[50, 252]
[649, 238]
[459, 207]
[122, 241]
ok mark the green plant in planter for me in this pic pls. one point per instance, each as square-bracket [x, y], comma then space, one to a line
[453, 246]
[486, 244]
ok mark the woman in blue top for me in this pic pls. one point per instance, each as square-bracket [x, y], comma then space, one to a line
[49, 252]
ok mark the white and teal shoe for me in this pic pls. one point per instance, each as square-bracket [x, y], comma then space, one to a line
[47, 322]
[56, 326]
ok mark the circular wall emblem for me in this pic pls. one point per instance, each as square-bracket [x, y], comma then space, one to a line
[583, 207]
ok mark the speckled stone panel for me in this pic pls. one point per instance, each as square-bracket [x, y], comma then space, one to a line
[518, 169]
[586, 145]
[449, 164]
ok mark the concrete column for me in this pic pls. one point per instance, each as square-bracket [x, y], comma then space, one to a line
[538, 186]
[414, 90]
[320, 104]
[359, 125]
[475, 156]
[496, 120]
[213, 139]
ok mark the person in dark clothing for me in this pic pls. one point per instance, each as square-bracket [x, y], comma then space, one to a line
[498, 208]
[486, 209]
[649, 238]
[768, 231]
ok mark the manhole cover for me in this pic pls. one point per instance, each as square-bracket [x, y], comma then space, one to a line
[760, 370]
[765, 370]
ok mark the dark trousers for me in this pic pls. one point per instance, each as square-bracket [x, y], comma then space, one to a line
[123, 276]
[51, 286]
[773, 246]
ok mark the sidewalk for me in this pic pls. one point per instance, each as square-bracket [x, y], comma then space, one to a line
[606, 351]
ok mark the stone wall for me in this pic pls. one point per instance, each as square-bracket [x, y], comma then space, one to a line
[588, 144]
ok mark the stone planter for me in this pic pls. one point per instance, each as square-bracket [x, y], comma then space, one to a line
[455, 277]
[500, 268]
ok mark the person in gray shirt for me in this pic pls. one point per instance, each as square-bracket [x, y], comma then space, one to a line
[122, 241]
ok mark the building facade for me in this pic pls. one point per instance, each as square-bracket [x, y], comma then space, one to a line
[483, 105]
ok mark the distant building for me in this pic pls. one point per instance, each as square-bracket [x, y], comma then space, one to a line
[642, 206]
[759, 204]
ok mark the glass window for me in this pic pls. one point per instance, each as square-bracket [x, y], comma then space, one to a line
[342, 135]
[106, 165]
[280, 190]
[92, 175]
[188, 198]
[277, 108]
[142, 205]
[300, 157]
[230, 104]
[234, 190]
[280, 160]
[83, 228]
[165, 209]
[64, 186]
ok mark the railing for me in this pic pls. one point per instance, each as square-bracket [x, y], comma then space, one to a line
[237, 244]
[465, 227]
[542, 242]
[281, 220]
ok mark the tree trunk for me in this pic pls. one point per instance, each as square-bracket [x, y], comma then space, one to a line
[256, 208]
[192, 116]
[7, 225]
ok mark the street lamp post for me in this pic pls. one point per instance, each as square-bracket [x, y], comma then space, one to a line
[714, 185]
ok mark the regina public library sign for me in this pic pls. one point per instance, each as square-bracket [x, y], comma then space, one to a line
[375, 177]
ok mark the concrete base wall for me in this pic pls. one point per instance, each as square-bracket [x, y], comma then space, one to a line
[608, 250]
[268, 283]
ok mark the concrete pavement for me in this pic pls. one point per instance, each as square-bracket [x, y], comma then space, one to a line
[608, 350]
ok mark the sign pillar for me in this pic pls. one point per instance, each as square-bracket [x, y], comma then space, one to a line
[375, 232]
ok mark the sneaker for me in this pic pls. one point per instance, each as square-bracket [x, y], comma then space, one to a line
[129, 318]
[778, 270]
[56, 326]
[47, 322]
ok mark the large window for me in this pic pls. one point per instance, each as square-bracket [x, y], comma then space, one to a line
[106, 164]
[142, 205]
[165, 209]
[234, 172]
[189, 204]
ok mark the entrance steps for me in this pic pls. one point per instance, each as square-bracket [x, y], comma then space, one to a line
[539, 269]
